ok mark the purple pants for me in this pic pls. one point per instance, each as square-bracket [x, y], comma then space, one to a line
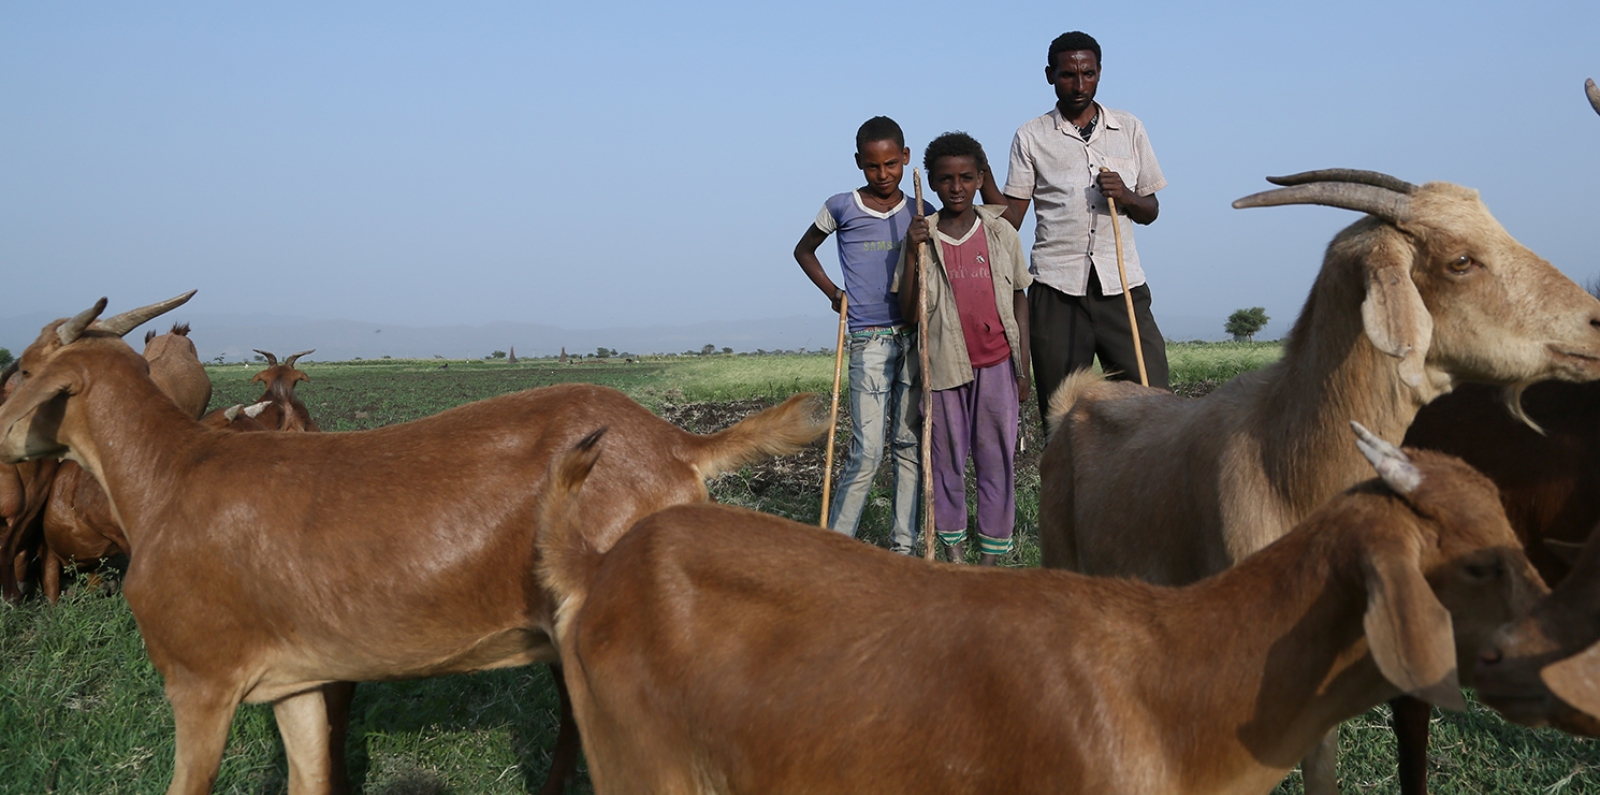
[979, 417]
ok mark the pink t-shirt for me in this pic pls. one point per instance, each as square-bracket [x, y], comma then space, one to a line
[966, 262]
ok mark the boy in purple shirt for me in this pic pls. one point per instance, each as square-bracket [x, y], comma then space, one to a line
[872, 222]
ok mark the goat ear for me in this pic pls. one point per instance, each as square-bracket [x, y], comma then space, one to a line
[1576, 680]
[1408, 631]
[1395, 319]
[23, 404]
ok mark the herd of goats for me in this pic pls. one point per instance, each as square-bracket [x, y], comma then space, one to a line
[1224, 582]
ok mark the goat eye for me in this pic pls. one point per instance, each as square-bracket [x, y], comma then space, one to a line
[1482, 572]
[1462, 264]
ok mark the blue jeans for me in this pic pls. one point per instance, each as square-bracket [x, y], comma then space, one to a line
[883, 402]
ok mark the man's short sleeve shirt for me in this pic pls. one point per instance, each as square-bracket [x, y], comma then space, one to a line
[1054, 167]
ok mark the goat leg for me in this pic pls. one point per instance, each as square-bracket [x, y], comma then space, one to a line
[203, 714]
[1411, 743]
[337, 697]
[564, 757]
[303, 723]
[51, 576]
[1320, 768]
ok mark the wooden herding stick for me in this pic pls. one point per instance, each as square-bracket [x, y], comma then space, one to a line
[1127, 297]
[833, 413]
[924, 257]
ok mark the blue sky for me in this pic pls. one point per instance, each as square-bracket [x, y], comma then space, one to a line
[614, 164]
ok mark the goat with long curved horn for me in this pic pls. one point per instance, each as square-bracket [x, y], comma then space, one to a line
[272, 360]
[1369, 192]
[289, 362]
[134, 318]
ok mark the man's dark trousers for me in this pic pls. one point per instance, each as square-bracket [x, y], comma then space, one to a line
[1066, 332]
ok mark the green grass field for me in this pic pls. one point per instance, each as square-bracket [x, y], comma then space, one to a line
[81, 709]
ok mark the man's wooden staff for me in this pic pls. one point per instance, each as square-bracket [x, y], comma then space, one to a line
[924, 259]
[833, 413]
[1127, 297]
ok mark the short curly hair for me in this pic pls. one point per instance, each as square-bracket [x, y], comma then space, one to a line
[1072, 42]
[954, 144]
[879, 128]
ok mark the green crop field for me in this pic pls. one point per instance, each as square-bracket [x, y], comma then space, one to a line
[81, 709]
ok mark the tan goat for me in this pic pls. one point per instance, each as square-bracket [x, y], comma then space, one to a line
[1426, 292]
[715, 649]
[272, 567]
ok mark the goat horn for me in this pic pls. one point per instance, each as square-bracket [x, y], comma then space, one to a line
[272, 361]
[77, 324]
[1594, 93]
[1376, 179]
[1391, 462]
[254, 409]
[289, 362]
[231, 413]
[1391, 206]
[134, 318]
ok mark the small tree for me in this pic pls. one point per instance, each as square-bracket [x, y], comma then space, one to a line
[5, 356]
[1244, 323]
[708, 349]
[726, 349]
[496, 355]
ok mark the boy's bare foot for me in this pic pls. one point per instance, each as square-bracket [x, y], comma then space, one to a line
[955, 553]
[988, 559]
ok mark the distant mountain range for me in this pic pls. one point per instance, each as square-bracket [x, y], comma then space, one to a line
[233, 337]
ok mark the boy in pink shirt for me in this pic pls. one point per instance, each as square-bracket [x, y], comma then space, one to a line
[977, 364]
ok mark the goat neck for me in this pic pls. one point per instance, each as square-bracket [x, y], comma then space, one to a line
[1332, 373]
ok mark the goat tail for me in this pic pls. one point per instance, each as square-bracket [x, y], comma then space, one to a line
[567, 559]
[1072, 387]
[780, 430]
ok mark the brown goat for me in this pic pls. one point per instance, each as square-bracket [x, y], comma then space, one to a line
[284, 411]
[24, 492]
[175, 367]
[79, 529]
[715, 649]
[438, 516]
[1544, 668]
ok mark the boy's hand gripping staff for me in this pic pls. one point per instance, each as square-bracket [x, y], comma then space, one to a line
[924, 257]
[833, 412]
[1127, 297]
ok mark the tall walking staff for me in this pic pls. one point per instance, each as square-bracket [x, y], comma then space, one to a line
[924, 257]
[1127, 297]
[833, 412]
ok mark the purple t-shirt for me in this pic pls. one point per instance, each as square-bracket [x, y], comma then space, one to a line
[869, 247]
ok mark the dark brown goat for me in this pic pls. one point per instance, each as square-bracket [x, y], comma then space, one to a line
[437, 516]
[284, 411]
